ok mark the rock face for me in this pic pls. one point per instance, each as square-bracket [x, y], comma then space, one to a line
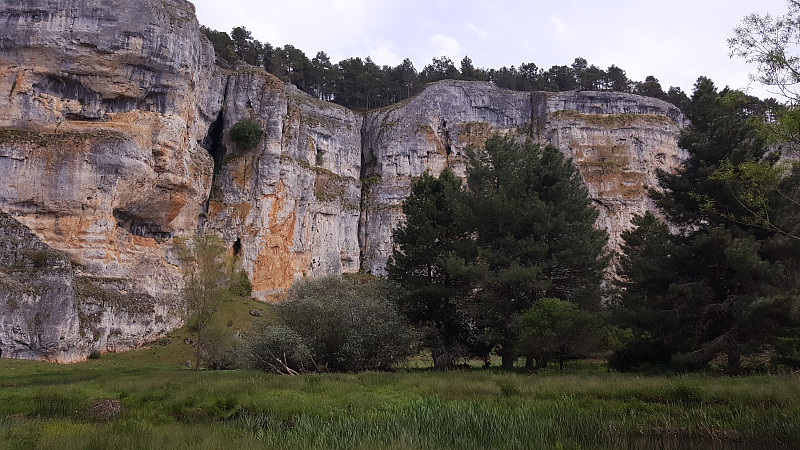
[50, 310]
[618, 141]
[115, 138]
[290, 206]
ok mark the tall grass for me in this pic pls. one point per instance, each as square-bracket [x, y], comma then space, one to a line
[45, 406]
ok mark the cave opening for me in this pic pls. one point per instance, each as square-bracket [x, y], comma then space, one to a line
[237, 247]
[213, 141]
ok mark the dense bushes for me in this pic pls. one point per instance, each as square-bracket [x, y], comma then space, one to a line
[246, 134]
[332, 324]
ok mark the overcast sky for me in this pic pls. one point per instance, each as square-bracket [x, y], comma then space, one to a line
[674, 40]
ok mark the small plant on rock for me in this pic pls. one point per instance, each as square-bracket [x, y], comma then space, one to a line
[246, 134]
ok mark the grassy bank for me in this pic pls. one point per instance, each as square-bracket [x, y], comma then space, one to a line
[165, 405]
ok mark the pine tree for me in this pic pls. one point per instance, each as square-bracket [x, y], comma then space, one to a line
[533, 225]
[422, 261]
[719, 285]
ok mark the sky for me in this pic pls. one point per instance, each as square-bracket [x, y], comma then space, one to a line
[675, 40]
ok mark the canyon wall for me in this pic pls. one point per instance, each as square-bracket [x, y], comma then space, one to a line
[115, 139]
[618, 141]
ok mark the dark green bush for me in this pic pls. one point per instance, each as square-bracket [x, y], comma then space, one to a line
[349, 327]
[246, 134]
[240, 284]
[278, 348]
[219, 347]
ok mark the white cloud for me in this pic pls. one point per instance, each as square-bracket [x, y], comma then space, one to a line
[382, 52]
[446, 46]
[483, 34]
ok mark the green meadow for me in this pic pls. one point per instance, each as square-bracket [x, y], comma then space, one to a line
[148, 398]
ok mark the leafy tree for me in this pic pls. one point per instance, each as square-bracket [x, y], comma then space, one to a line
[552, 328]
[720, 286]
[561, 78]
[769, 42]
[207, 276]
[279, 349]
[347, 327]
[616, 80]
[223, 44]
[425, 245]
[440, 69]
[650, 88]
[534, 231]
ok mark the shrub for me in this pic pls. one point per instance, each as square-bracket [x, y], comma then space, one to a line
[240, 284]
[218, 347]
[348, 327]
[279, 349]
[246, 134]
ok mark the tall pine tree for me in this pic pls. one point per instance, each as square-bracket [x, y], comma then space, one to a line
[534, 235]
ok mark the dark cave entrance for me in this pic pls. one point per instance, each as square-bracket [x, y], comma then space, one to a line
[213, 141]
[237, 247]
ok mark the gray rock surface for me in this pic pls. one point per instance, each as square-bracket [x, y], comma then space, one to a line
[115, 138]
[51, 310]
[618, 141]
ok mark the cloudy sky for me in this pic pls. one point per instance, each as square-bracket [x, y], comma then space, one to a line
[674, 40]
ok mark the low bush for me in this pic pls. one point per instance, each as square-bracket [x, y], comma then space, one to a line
[345, 327]
[279, 349]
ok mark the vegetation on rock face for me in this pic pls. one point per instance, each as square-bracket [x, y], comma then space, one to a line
[246, 134]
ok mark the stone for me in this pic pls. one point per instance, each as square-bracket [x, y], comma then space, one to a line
[115, 139]
[618, 141]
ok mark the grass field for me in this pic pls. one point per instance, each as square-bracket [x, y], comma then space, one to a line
[164, 405]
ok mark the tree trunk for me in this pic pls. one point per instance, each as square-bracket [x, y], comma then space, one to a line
[197, 353]
[734, 361]
[508, 358]
[529, 363]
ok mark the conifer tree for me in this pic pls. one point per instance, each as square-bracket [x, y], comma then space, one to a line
[534, 235]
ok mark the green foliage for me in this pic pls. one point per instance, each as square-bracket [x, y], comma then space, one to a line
[787, 348]
[726, 284]
[534, 231]
[769, 43]
[240, 284]
[279, 349]
[361, 84]
[348, 327]
[555, 328]
[246, 134]
[219, 348]
[168, 406]
[207, 280]
[425, 246]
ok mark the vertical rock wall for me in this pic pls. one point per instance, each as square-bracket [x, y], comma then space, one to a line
[115, 137]
[618, 141]
[291, 204]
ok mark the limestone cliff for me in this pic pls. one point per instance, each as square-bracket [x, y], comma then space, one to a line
[617, 140]
[115, 137]
[51, 309]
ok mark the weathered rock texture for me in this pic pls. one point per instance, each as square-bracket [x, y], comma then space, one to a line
[114, 138]
[291, 204]
[50, 310]
[617, 140]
